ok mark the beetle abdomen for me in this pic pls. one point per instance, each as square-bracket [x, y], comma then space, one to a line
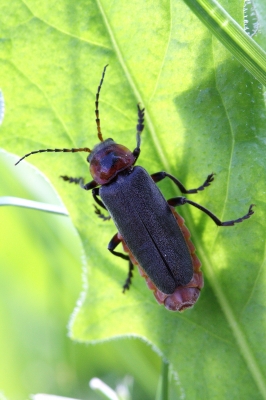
[184, 296]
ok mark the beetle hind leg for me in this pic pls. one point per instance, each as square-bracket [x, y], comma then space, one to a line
[128, 281]
[180, 201]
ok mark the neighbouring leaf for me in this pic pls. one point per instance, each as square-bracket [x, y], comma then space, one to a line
[237, 40]
[204, 113]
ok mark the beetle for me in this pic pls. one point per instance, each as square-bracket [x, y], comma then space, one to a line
[153, 235]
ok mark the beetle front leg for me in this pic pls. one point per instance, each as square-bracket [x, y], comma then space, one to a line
[80, 181]
[159, 176]
[180, 201]
[114, 242]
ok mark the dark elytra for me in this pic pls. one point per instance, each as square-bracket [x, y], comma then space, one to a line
[148, 227]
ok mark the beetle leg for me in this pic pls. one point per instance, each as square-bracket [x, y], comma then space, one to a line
[128, 281]
[95, 194]
[114, 242]
[80, 181]
[90, 185]
[159, 176]
[101, 215]
[180, 201]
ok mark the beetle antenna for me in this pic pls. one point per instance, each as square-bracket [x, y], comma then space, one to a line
[140, 124]
[97, 113]
[56, 151]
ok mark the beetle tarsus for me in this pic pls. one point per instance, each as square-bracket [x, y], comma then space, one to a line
[237, 221]
[79, 181]
[101, 215]
[209, 180]
[128, 281]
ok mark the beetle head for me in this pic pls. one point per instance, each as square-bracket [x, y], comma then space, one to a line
[107, 159]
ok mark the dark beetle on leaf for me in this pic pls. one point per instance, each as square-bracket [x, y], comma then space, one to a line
[152, 233]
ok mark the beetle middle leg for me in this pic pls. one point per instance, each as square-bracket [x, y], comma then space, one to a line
[95, 193]
[159, 176]
[180, 201]
[101, 215]
[114, 242]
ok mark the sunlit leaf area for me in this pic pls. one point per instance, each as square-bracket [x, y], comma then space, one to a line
[198, 68]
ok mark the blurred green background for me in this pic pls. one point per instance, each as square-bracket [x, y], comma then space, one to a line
[41, 281]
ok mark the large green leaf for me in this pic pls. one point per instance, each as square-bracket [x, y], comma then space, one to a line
[204, 113]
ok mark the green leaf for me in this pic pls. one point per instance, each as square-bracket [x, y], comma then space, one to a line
[204, 113]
